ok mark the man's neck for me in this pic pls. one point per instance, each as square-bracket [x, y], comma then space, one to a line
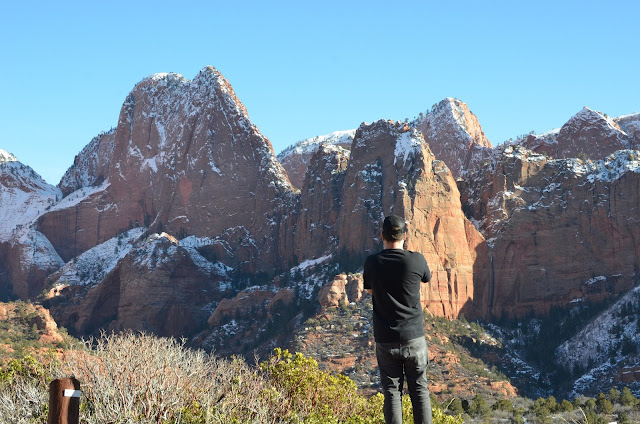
[392, 244]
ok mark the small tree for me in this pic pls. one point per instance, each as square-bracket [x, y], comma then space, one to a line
[478, 407]
[627, 398]
[614, 395]
[603, 405]
[503, 405]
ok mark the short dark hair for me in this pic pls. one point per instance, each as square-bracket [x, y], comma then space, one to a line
[393, 228]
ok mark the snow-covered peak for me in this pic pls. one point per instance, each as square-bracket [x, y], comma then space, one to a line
[166, 78]
[6, 157]
[309, 145]
[452, 117]
[587, 115]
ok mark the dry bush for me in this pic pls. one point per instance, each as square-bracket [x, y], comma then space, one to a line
[24, 390]
[144, 379]
[23, 401]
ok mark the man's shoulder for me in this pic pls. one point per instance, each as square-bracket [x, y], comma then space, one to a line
[371, 259]
[416, 257]
[414, 254]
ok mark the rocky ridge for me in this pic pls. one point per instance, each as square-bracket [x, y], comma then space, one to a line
[156, 286]
[91, 166]
[589, 134]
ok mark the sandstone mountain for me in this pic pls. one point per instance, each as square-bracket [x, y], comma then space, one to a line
[185, 158]
[392, 170]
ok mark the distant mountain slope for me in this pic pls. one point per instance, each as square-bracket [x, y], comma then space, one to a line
[295, 158]
[26, 255]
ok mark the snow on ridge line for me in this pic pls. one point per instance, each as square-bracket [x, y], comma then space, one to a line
[609, 169]
[7, 157]
[79, 195]
[92, 266]
[586, 113]
[308, 145]
[25, 199]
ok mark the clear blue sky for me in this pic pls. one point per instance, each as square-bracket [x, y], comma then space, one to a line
[308, 68]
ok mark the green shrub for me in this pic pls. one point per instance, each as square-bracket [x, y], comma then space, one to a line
[478, 407]
[503, 405]
[313, 396]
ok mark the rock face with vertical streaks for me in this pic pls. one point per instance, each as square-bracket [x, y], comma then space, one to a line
[559, 231]
[392, 171]
[320, 202]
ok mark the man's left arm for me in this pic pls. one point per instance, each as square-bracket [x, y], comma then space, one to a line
[366, 277]
[426, 276]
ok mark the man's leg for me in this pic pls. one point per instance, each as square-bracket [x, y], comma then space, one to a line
[415, 368]
[391, 378]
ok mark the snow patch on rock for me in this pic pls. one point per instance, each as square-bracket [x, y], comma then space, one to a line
[92, 266]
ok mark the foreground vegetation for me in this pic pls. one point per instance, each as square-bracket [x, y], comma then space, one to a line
[138, 378]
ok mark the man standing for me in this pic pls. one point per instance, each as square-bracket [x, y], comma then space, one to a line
[393, 276]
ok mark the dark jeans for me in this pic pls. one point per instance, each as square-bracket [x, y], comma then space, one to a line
[399, 360]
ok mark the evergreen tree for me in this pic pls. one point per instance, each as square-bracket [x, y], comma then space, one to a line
[623, 418]
[517, 417]
[603, 405]
[478, 407]
[627, 398]
[565, 406]
[614, 395]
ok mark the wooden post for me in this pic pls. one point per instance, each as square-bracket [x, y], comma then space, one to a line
[64, 401]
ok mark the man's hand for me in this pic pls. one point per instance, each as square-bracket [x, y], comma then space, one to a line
[370, 291]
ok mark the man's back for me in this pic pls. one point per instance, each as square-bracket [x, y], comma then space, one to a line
[395, 275]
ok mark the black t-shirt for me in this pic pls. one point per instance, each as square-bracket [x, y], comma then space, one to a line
[395, 275]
